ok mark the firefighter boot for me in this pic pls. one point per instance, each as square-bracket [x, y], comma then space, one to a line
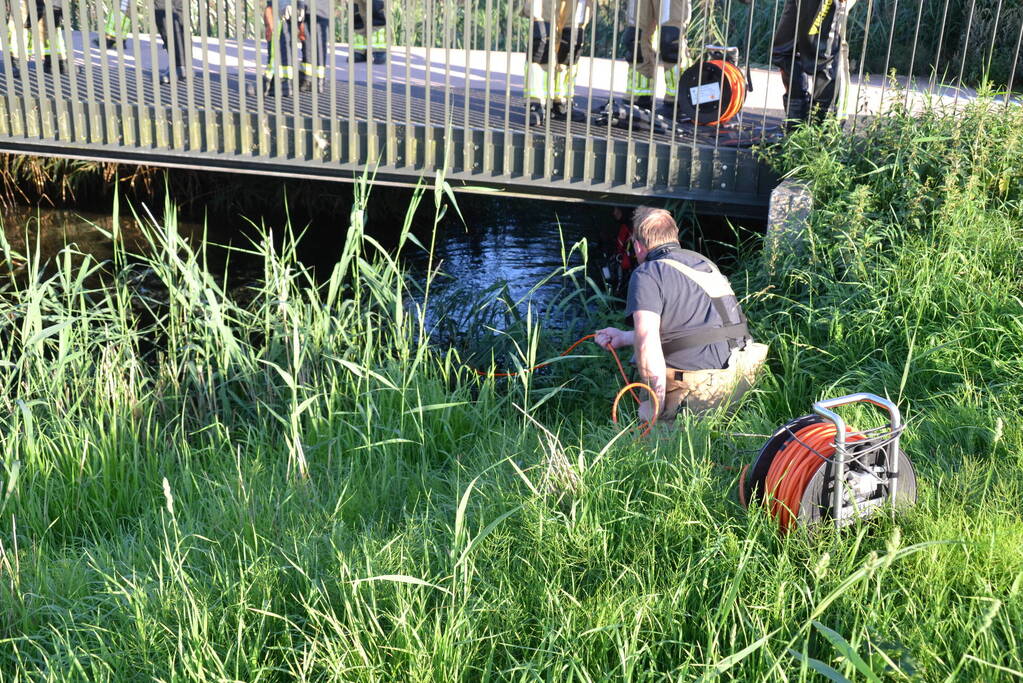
[536, 114]
[305, 83]
[562, 111]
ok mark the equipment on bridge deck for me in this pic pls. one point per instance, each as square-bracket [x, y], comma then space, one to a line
[816, 468]
[714, 88]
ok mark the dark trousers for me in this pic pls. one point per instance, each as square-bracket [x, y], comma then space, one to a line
[180, 51]
[806, 47]
[314, 47]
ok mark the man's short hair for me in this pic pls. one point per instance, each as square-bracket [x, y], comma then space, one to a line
[653, 227]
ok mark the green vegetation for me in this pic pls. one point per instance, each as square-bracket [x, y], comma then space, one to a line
[304, 487]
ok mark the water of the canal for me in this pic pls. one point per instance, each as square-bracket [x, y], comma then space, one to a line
[510, 251]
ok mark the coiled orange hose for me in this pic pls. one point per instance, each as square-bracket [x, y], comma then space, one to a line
[737, 81]
[629, 386]
[794, 466]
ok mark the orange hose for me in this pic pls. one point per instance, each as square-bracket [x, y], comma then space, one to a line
[567, 351]
[629, 386]
[737, 81]
[794, 466]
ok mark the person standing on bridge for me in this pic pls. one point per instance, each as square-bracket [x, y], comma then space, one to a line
[369, 21]
[555, 46]
[314, 16]
[34, 39]
[692, 346]
[281, 18]
[655, 35]
[170, 23]
[807, 46]
[117, 25]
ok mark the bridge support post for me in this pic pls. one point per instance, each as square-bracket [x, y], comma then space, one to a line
[788, 221]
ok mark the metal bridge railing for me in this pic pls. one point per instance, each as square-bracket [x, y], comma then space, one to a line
[411, 88]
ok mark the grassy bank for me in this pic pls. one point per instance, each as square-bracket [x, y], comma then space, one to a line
[305, 488]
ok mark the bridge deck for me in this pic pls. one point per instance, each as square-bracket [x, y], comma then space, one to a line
[425, 111]
[456, 110]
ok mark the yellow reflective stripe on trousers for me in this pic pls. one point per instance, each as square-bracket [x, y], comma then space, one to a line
[538, 86]
[671, 82]
[638, 84]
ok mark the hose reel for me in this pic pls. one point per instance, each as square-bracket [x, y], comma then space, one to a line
[713, 89]
[815, 467]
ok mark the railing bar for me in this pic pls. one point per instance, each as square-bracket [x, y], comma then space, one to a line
[13, 118]
[966, 49]
[994, 38]
[185, 51]
[445, 43]
[609, 155]
[861, 89]
[371, 136]
[145, 121]
[228, 133]
[296, 132]
[332, 81]
[42, 105]
[105, 62]
[312, 54]
[888, 56]
[209, 115]
[353, 140]
[428, 18]
[746, 55]
[468, 158]
[508, 36]
[910, 87]
[241, 45]
[392, 142]
[657, 6]
[1015, 63]
[771, 68]
[587, 176]
[54, 30]
[699, 84]
[940, 49]
[488, 33]
[411, 153]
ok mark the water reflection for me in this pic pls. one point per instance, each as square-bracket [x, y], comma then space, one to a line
[46, 232]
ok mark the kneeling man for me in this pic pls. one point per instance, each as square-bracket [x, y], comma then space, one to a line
[690, 336]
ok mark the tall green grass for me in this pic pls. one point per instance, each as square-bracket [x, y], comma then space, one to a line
[308, 487]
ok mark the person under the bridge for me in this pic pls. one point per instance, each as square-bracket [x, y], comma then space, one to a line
[808, 51]
[692, 345]
[555, 45]
[655, 36]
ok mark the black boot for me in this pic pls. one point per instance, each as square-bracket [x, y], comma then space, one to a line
[305, 84]
[536, 114]
[64, 66]
[797, 110]
[561, 111]
[359, 56]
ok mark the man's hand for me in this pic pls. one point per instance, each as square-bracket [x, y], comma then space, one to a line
[268, 23]
[614, 337]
